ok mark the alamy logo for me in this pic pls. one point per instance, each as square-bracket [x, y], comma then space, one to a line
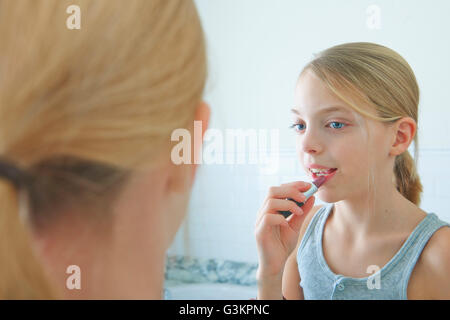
[74, 280]
[374, 281]
[232, 146]
[74, 20]
[373, 21]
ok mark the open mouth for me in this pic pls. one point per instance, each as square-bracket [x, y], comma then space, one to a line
[328, 173]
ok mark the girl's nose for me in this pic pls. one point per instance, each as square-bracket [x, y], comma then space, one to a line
[310, 143]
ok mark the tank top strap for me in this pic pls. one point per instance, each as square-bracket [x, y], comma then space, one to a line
[413, 247]
[314, 225]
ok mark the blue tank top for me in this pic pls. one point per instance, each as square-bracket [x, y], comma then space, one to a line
[389, 282]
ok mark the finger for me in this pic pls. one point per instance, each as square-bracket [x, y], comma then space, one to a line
[269, 221]
[292, 190]
[308, 205]
[296, 221]
[299, 185]
[275, 205]
[284, 192]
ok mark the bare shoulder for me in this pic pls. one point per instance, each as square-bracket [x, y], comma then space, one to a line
[430, 279]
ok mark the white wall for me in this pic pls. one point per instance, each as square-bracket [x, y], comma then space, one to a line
[256, 50]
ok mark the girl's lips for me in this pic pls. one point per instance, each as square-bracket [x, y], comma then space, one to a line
[328, 176]
[317, 166]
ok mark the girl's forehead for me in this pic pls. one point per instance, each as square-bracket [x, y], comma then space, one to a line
[313, 98]
[311, 95]
[323, 110]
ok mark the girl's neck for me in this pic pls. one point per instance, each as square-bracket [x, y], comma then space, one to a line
[386, 213]
[125, 278]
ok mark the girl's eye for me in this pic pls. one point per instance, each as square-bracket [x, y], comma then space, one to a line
[298, 126]
[333, 125]
[339, 125]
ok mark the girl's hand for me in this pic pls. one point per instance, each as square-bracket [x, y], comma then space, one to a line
[276, 236]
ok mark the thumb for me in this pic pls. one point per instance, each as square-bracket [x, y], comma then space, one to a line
[296, 221]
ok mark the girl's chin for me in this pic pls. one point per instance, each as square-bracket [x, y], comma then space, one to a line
[326, 196]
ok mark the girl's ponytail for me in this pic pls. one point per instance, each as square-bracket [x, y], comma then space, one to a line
[407, 180]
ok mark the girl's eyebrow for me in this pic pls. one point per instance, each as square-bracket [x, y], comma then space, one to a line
[325, 110]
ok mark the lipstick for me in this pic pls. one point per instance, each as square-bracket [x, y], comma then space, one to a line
[315, 185]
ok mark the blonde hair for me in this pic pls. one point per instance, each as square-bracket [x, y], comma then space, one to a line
[80, 109]
[368, 74]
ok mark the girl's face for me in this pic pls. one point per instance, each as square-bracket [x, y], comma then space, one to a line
[332, 135]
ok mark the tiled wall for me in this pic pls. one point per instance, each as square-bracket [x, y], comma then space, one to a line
[226, 198]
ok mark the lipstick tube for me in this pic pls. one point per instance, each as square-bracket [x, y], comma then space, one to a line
[315, 185]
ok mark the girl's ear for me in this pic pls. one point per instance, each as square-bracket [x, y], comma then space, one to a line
[404, 131]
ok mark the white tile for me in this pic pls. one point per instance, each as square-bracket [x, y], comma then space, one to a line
[226, 200]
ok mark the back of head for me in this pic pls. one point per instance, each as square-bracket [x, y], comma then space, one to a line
[80, 109]
[368, 74]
